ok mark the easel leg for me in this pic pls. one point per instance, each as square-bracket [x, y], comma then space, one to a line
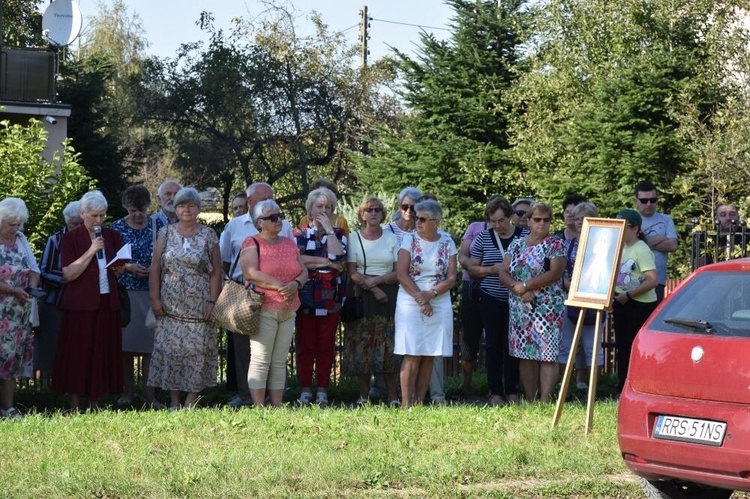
[568, 370]
[594, 373]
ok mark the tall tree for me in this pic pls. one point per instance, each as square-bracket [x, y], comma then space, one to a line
[602, 98]
[22, 23]
[454, 142]
[100, 82]
[259, 104]
[84, 86]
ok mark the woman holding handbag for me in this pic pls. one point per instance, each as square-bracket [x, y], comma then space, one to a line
[371, 263]
[272, 263]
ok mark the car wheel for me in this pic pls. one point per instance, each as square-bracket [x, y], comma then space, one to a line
[673, 489]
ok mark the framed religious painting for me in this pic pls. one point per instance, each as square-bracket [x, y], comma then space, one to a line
[592, 284]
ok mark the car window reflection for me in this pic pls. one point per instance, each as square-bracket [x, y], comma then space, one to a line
[719, 298]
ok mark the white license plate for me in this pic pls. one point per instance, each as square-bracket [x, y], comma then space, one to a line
[690, 430]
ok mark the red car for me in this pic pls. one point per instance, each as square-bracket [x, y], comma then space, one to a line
[683, 420]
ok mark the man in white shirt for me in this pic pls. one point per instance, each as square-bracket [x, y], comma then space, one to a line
[166, 193]
[236, 231]
[659, 229]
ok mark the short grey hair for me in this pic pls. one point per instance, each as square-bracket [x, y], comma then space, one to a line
[261, 207]
[250, 191]
[431, 207]
[72, 210]
[518, 201]
[587, 208]
[409, 192]
[188, 195]
[14, 211]
[320, 192]
[166, 183]
[92, 201]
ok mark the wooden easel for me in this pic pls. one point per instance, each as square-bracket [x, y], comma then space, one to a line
[594, 371]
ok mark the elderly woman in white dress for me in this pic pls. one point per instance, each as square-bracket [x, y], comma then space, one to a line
[426, 270]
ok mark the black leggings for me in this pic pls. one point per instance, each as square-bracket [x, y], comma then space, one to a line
[628, 319]
[502, 369]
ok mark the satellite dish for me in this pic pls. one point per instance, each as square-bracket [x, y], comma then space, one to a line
[62, 22]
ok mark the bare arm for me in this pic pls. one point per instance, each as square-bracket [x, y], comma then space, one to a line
[75, 269]
[477, 271]
[555, 272]
[154, 278]
[214, 281]
[464, 253]
[650, 281]
[662, 243]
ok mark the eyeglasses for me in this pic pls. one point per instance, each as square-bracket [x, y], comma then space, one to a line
[374, 210]
[407, 207]
[273, 217]
[538, 220]
[648, 200]
[521, 213]
[423, 219]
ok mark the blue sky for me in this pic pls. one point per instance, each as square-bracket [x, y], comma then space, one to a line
[168, 23]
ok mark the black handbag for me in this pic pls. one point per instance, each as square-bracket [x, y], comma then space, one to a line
[354, 305]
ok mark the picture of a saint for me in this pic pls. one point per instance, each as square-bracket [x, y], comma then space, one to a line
[598, 261]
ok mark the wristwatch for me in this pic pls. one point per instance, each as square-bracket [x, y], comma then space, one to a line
[434, 292]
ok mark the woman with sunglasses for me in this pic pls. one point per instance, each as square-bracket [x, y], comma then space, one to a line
[520, 216]
[371, 264]
[532, 271]
[323, 250]
[407, 198]
[426, 270]
[272, 263]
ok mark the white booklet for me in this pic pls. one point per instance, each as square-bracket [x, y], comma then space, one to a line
[123, 256]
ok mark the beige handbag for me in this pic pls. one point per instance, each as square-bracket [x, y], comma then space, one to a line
[238, 307]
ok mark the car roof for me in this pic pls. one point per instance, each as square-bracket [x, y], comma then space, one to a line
[738, 264]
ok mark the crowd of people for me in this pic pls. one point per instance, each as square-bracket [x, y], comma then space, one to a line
[98, 315]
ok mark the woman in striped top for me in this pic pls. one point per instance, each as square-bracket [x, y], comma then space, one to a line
[487, 255]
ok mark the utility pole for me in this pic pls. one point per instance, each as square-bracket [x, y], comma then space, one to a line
[364, 35]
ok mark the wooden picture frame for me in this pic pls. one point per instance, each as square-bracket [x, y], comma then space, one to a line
[592, 284]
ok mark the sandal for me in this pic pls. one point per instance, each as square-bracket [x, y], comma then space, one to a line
[12, 413]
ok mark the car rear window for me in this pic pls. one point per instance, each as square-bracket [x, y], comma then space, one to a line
[721, 299]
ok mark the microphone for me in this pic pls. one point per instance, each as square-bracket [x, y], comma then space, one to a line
[98, 233]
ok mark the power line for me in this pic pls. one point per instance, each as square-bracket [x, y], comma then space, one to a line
[350, 27]
[409, 24]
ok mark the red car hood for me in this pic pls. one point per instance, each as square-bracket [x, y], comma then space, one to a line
[693, 366]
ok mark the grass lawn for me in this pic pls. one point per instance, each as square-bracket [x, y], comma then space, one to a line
[461, 450]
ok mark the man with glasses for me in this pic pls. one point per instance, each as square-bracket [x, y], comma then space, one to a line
[661, 235]
[236, 231]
